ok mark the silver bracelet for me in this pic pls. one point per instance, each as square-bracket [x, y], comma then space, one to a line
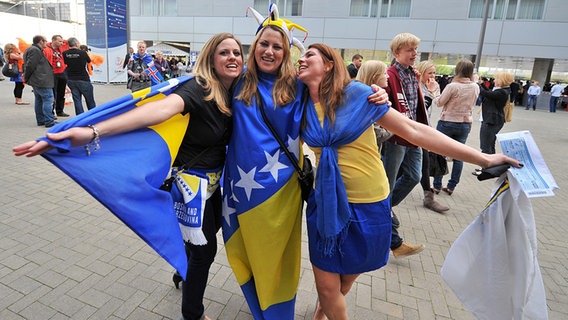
[95, 142]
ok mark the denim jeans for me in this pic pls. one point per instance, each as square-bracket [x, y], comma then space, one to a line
[531, 102]
[81, 88]
[43, 105]
[459, 132]
[403, 166]
[553, 102]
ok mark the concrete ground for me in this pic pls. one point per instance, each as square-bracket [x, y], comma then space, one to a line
[64, 256]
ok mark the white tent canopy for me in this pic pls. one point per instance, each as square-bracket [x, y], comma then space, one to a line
[167, 50]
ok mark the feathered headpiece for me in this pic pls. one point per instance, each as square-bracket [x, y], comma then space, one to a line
[286, 25]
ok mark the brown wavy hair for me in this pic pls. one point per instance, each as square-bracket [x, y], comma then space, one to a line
[334, 82]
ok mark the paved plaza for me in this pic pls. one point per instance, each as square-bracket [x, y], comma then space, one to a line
[64, 256]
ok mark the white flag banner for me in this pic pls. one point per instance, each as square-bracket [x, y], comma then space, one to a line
[492, 266]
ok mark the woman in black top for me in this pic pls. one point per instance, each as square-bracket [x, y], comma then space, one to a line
[207, 99]
[493, 117]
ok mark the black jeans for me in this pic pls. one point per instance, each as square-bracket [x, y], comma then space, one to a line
[59, 92]
[488, 136]
[425, 180]
[18, 89]
[200, 259]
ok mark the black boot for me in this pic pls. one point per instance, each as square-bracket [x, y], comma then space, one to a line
[176, 278]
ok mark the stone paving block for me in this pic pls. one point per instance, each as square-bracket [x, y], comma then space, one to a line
[129, 305]
[66, 305]
[28, 299]
[37, 310]
[107, 309]
[387, 308]
[363, 295]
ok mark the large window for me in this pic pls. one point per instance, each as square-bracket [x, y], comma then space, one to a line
[508, 9]
[395, 8]
[285, 7]
[363, 8]
[158, 8]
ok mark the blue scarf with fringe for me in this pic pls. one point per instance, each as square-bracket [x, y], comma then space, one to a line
[353, 117]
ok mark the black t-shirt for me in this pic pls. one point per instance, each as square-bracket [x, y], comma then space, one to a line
[76, 61]
[207, 127]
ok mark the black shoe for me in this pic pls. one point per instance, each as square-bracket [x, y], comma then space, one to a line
[62, 114]
[176, 278]
[395, 221]
[49, 125]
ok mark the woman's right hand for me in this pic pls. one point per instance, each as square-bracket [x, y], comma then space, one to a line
[31, 148]
[79, 136]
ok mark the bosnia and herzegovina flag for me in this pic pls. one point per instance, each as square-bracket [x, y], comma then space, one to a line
[126, 172]
[262, 206]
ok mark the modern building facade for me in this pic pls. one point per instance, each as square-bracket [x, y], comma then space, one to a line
[518, 32]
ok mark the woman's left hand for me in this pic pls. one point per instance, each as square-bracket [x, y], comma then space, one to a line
[500, 158]
[379, 97]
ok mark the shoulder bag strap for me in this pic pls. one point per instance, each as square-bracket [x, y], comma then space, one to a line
[193, 161]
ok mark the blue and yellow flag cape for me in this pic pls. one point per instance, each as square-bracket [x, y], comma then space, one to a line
[262, 206]
[126, 172]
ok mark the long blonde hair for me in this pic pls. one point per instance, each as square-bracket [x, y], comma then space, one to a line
[206, 76]
[371, 71]
[284, 89]
[334, 82]
[9, 48]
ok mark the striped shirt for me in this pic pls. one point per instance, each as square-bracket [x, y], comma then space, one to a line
[410, 87]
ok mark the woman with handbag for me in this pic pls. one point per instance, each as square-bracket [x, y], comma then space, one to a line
[12, 55]
[494, 102]
[348, 214]
[207, 99]
[457, 102]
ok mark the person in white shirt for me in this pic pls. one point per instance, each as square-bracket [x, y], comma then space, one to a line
[533, 92]
[555, 92]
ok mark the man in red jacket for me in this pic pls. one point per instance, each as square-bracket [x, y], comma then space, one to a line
[54, 54]
[403, 160]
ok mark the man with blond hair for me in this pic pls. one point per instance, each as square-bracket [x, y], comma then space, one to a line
[403, 160]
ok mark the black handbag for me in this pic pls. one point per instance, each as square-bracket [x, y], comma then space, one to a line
[306, 173]
[438, 165]
[10, 70]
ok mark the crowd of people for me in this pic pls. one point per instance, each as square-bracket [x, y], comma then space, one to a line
[351, 223]
[50, 68]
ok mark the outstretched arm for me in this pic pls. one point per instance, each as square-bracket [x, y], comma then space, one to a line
[149, 114]
[433, 140]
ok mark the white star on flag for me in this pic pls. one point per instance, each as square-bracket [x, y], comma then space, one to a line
[272, 164]
[247, 181]
[294, 146]
[227, 211]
